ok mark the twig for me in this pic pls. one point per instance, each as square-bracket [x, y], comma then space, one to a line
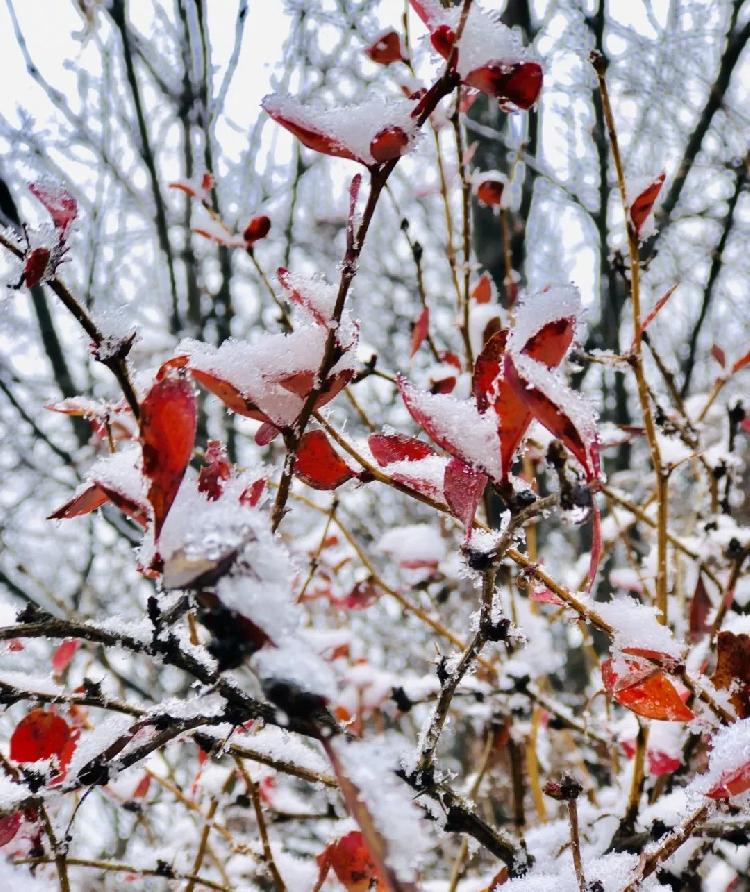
[165, 872]
[637, 358]
[254, 793]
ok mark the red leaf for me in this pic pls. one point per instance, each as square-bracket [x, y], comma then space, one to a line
[554, 418]
[39, 735]
[9, 826]
[141, 788]
[650, 316]
[90, 499]
[36, 265]
[489, 192]
[420, 330]
[545, 596]
[700, 605]
[732, 671]
[256, 229]
[94, 496]
[550, 344]
[168, 424]
[741, 362]
[719, 355]
[731, 784]
[215, 471]
[463, 487]
[60, 204]
[512, 83]
[386, 49]
[389, 144]
[350, 860]
[251, 496]
[443, 38]
[266, 433]
[646, 691]
[318, 464]
[487, 370]
[309, 136]
[64, 654]
[484, 291]
[661, 763]
[643, 204]
[229, 395]
[389, 448]
[362, 595]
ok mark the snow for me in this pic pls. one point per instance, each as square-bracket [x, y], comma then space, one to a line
[92, 744]
[371, 766]
[277, 743]
[636, 626]
[352, 127]
[485, 39]
[295, 662]
[119, 472]
[416, 542]
[11, 793]
[20, 879]
[426, 475]
[730, 752]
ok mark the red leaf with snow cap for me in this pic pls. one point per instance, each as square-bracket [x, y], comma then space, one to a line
[168, 424]
[558, 420]
[456, 426]
[733, 783]
[309, 135]
[60, 204]
[318, 464]
[94, 496]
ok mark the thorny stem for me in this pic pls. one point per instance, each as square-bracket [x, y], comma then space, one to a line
[331, 353]
[58, 850]
[116, 362]
[637, 356]
[575, 843]
[454, 677]
[465, 303]
[651, 860]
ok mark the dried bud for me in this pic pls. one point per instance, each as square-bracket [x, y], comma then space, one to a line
[256, 229]
[565, 789]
